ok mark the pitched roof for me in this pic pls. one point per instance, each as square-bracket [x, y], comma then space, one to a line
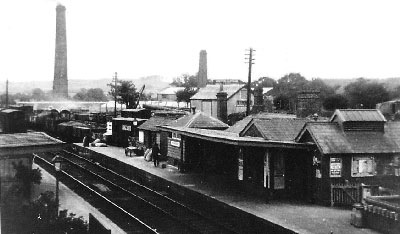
[199, 120]
[152, 123]
[279, 129]
[359, 115]
[239, 126]
[330, 139]
[210, 91]
[232, 138]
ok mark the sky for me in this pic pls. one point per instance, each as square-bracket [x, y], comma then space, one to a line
[326, 39]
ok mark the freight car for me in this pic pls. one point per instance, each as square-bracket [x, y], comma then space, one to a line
[12, 121]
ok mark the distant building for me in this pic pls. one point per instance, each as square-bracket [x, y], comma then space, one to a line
[225, 81]
[206, 101]
[168, 94]
[308, 103]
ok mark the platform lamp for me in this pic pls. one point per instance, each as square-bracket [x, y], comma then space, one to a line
[57, 162]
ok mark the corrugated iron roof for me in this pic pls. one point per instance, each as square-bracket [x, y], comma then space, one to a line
[372, 115]
[210, 91]
[199, 120]
[155, 121]
[330, 139]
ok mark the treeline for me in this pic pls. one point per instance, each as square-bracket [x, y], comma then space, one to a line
[362, 93]
[38, 94]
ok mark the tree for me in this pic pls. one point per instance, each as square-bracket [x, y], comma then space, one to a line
[126, 93]
[288, 87]
[41, 216]
[190, 84]
[81, 95]
[91, 95]
[25, 177]
[395, 93]
[38, 94]
[324, 90]
[264, 82]
[185, 95]
[365, 94]
[185, 80]
[11, 100]
[282, 102]
[335, 101]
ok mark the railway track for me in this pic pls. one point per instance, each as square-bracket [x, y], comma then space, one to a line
[152, 211]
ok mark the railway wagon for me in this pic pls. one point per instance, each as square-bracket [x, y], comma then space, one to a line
[65, 131]
[12, 121]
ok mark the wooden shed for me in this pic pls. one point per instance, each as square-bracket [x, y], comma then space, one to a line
[123, 128]
[354, 150]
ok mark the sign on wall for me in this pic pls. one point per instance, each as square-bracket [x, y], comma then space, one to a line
[266, 169]
[335, 167]
[240, 165]
[126, 127]
[176, 143]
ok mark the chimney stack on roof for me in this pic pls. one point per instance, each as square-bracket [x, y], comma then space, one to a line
[222, 105]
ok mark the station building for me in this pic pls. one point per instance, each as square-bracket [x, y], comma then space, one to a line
[353, 153]
[260, 156]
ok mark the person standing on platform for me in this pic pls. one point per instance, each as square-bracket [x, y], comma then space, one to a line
[155, 154]
[87, 140]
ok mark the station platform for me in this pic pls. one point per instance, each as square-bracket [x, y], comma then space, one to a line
[293, 216]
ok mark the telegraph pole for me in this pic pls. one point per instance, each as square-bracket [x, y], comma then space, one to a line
[250, 62]
[115, 94]
[7, 93]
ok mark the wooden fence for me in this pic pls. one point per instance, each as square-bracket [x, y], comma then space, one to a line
[345, 194]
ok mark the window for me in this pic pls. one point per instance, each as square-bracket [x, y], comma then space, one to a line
[363, 166]
[242, 103]
[176, 135]
[243, 94]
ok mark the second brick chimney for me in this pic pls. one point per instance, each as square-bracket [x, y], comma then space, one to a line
[222, 105]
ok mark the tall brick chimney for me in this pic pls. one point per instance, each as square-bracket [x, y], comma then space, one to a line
[60, 82]
[222, 105]
[202, 74]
